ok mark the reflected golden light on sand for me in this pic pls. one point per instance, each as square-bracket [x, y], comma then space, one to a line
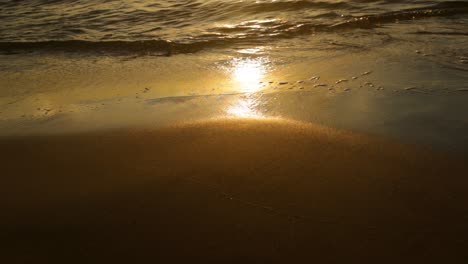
[245, 107]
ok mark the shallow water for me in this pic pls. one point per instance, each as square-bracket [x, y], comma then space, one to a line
[391, 68]
[166, 27]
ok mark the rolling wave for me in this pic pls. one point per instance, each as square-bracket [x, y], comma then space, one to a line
[439, 10]
[256, 31]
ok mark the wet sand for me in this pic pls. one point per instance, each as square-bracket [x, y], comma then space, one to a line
[229, 191]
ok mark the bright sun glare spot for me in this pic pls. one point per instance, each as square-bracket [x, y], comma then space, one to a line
[249, 73]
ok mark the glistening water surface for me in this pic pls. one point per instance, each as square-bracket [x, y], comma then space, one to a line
[391, 68]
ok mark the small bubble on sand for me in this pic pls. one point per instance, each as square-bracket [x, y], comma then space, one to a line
[300, 81]
[283, 83]
[347, 89]
[354, 77]
[301, 88]
[314, 78]
[410, 88]
[368, 84]
[340, 81]
[320, 85]
[366, 73]
[463, 90]
[271, 82]
[417, 51]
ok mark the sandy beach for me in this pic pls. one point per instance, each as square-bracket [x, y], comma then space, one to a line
[229, 191]
[227, 131]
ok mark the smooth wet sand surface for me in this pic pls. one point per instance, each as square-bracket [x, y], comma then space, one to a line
[229, 191]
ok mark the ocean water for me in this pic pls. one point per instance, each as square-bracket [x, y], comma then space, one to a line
[172, 27]
[391, 68]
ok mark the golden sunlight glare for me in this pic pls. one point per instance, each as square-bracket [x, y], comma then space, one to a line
[248, 74]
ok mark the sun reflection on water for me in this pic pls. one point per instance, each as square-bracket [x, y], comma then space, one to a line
[248, 75]
[245, 107]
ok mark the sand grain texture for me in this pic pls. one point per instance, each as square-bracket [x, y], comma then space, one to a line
[229, 191]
